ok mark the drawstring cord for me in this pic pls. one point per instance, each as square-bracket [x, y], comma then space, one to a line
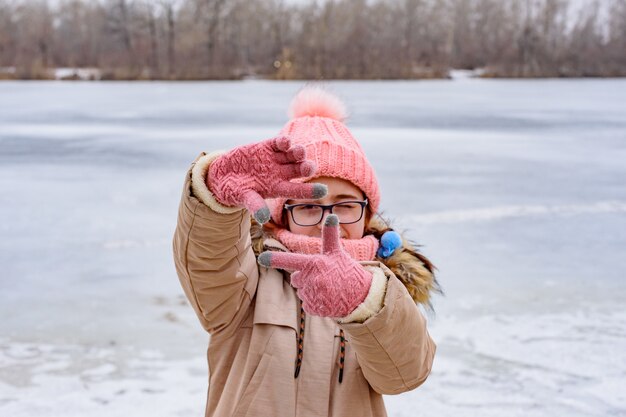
[342, 353]
[300, 341]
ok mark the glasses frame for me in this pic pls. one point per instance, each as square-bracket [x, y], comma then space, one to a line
[329, 207]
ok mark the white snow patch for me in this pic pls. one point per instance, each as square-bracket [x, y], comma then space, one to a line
[76, 72]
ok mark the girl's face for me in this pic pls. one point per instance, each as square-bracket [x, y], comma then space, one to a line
[338, 190]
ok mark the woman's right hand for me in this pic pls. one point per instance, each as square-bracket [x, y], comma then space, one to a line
[248, 174]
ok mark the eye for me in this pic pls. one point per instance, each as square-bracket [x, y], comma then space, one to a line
[347, 206]
[307, 208]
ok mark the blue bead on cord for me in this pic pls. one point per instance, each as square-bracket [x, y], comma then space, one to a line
[389, 242]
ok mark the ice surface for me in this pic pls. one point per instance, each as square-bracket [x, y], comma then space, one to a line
[515, 189]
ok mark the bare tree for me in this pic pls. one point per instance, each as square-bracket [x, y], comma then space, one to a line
[169, 7]
[129, 39]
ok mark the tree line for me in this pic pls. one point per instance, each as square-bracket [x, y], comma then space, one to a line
[325, 39]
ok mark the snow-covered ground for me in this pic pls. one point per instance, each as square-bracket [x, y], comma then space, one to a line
[516, 189]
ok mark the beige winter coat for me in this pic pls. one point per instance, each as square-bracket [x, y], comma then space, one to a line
[253, 314]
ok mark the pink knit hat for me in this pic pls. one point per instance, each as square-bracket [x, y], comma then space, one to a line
[317, 123]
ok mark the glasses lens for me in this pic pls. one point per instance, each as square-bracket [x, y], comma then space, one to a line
[307, 215]
[348, 212]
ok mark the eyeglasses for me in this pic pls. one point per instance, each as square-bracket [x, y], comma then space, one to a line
[311, 214]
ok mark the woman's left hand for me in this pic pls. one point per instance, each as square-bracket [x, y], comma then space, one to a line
[330, 284]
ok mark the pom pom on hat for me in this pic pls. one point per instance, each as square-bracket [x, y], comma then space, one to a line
[316, 101]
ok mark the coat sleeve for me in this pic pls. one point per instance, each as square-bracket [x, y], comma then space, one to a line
[213, 254]
[393, 346]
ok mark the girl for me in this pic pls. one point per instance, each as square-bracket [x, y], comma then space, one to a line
[311, 301]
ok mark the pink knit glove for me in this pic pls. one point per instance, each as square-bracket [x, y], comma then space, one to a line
[330, 284]
[247, 175]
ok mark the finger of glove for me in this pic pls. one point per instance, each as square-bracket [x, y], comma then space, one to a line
[279, 143]
[281, 260]
[294, 190]
[330, 234]
[297, 170]
[296, 153]
[256, 205]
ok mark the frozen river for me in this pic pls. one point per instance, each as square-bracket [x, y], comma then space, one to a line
[515, 189]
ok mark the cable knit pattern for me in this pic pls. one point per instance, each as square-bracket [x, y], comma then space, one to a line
[200, 188]
[374, 300]
[330, 283]
[247, 175]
